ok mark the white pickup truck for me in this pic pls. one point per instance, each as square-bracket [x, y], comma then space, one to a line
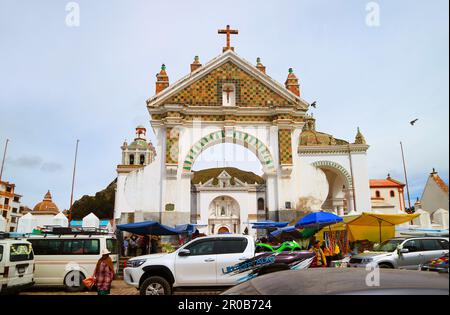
[203, 262]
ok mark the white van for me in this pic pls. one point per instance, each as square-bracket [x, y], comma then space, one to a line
[67, 259]
[16, 265]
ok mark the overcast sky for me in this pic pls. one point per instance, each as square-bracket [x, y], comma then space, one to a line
[61, 83]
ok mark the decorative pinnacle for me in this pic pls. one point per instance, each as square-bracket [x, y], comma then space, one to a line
[258, 60]
[291, 70]
[163, 67]
[196, 58]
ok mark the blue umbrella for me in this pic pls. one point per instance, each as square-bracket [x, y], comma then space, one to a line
[268, 224]
[318, 220]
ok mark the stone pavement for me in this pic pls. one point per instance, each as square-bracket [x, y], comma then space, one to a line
[119, 287]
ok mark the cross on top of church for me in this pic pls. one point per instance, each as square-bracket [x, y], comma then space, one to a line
[228, 31]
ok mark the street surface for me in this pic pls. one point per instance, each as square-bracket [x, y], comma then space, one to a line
[119, 287]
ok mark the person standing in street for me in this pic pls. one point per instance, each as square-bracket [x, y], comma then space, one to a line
[320, 260]
[125, 246]
[133, 246]
[104, 273]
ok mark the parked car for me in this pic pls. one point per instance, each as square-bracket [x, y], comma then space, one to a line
[211, 261]
[344, 281]
[439, 265]
[403, 252]
[16, 265]
[67, 259]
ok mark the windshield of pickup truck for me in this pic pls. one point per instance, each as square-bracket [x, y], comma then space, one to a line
[388, 246]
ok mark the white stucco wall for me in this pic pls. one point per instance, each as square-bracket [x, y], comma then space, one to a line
[360, 174]
[247, 203]
[385, 193]
[433, 197]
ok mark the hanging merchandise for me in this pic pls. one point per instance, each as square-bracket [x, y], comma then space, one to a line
[339, 238]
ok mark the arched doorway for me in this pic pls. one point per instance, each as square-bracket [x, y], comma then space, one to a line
[223, 230]
[340, 188]
[224, 215]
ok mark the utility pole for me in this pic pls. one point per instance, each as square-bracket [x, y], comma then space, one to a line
[406, 175]
[3, 160]
[73, 182]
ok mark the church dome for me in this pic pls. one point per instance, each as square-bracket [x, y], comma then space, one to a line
[310, 136]
[138, 144]
[46, 206]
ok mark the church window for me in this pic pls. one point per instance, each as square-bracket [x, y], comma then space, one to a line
[228, 95]
[131, 159]
[392, 193]
[260, 204]
[142, 159]
[287, 205]
[377, 194]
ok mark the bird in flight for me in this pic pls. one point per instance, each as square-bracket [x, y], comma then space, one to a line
[313, 104]
[413, 121]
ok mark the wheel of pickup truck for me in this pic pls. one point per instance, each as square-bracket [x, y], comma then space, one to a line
[155, 285]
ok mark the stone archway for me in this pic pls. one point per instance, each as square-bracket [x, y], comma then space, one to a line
[340, 192]
[255, 145]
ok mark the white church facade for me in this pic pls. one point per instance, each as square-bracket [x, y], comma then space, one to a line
[229, 100]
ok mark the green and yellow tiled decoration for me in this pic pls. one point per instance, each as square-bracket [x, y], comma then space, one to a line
[208, 90]
[285, 146]
[172, 146]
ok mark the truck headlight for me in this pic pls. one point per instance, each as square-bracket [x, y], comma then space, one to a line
[135, 263]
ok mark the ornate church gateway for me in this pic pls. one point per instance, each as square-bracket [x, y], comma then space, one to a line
[229, 100]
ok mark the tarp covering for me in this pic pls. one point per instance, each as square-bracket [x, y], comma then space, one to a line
[291, 232]
[151, 228]
[375, 227]
[268, 224]
[188, 228]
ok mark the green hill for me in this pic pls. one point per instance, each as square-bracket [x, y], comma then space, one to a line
[102, 204]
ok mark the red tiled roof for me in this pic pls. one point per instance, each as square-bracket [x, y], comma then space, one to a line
[440, 182]
[385, 183]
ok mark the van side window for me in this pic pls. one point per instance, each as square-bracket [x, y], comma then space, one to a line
[91, 247]
[46, 247]
[66, 247]
[1, 252]
[81, 247]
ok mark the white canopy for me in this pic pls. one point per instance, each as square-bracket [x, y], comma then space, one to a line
[60, 220]
[26, 223]
[91, 221]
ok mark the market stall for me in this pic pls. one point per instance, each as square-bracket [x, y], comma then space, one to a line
[375, 227]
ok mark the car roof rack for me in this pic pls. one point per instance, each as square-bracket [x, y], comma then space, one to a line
[58, 230]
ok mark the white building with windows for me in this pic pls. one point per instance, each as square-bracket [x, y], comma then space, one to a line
[387, 196]
[10, 206]
[230, 100]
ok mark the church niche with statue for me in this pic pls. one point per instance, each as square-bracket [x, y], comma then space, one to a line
[230, 100]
